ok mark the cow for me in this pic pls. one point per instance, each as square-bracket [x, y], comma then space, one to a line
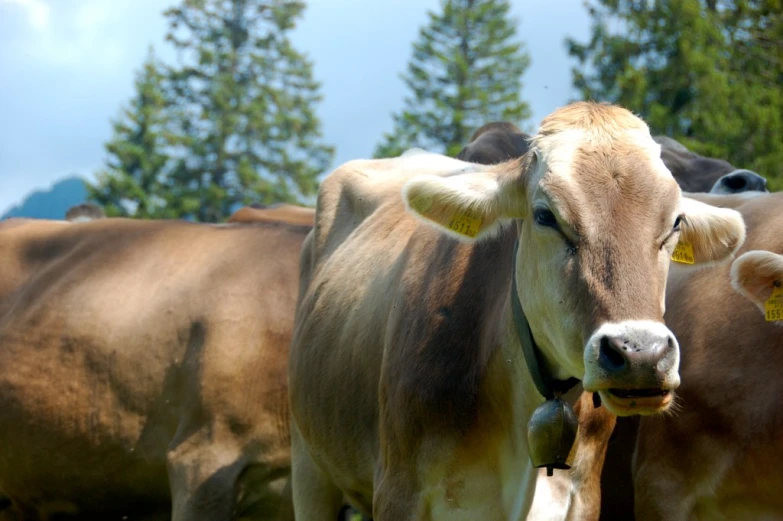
[576, 493]
[409, 389]
[84, 212]
[494, 143]
[292, 214]
[695, 173]
[143, 369]
[720, 455]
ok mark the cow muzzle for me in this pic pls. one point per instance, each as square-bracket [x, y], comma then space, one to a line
[633, 365]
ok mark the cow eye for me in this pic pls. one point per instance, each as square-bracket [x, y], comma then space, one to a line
[544, 217]
[677, 223]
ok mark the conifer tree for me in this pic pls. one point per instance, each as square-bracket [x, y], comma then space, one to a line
[133, 182]
[244, 107]
[466, 70]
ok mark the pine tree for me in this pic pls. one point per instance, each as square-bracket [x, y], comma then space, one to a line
[466, 70]
[134, 178]
[244, 107]
[705, 72]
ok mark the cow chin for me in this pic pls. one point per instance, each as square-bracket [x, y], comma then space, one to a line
[633, 365]
[638, 405]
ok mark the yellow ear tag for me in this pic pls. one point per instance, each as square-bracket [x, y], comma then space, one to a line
[683, 253]
[773, 307]
[465, 224]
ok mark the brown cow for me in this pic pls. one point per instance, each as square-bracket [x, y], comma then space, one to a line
[494, 143]
[144, 363]
[578, 490]
[695, 173]
[720, 456]
[409, 389]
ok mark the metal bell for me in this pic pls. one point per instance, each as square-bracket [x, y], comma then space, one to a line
[551, 433]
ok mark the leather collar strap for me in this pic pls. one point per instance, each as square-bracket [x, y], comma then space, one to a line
[546, 385]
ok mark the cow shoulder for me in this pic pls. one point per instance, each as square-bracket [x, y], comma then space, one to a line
[357, 189]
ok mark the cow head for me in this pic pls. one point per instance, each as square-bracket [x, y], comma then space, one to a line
[600, 216]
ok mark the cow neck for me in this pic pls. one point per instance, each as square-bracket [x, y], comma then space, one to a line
[547, 386]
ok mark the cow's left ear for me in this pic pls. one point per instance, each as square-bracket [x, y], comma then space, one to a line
[469, 206]
[711, 234]
[755, 275]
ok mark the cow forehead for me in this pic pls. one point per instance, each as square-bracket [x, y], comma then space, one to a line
[592, 181]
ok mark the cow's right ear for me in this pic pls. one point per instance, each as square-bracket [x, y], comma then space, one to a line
[755, 274]
[711, 234]
[469, 206]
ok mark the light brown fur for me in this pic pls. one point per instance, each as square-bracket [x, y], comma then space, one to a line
[415, 327]
[720, 456]
[144, 362]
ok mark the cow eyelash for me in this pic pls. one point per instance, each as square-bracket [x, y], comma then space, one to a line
[676, 228]
[677, 223]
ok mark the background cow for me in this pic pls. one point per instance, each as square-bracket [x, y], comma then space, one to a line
[494, 143]
[145, 361]
[720, 455]
[695, 173]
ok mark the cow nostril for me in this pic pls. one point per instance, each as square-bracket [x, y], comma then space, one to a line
[736, 182]
[609, 354]
[671, 343]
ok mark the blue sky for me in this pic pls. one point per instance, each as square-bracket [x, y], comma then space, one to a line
[66, 69]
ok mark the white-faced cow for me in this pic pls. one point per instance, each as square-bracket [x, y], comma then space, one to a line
[409, 388]
[575, 494]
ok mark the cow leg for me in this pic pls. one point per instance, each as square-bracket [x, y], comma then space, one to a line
[203, 481]
[316, 498]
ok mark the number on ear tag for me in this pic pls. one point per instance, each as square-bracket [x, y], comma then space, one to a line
[773, 307]
[683, 253]
[465, 224]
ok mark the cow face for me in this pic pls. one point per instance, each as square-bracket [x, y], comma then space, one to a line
[600, 218]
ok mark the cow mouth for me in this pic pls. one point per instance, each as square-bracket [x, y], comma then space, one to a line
[639, 393]
[628, 402]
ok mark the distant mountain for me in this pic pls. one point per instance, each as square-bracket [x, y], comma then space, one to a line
[52, 203]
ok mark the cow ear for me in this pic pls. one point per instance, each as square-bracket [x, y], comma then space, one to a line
[709, 234]
[469, 206]
[755, 274]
